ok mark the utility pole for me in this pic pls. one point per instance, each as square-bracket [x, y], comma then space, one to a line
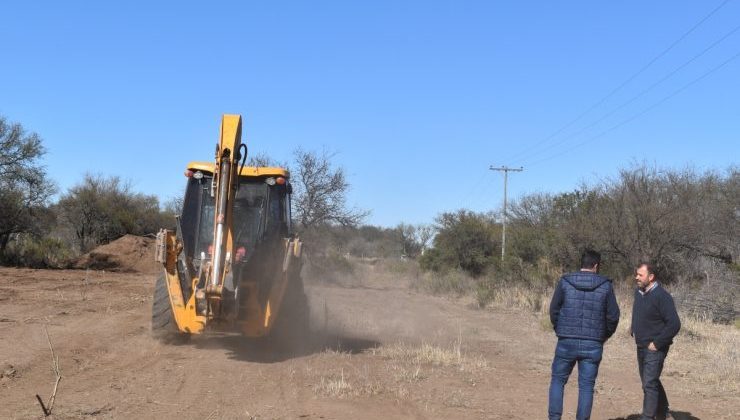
[505, 170]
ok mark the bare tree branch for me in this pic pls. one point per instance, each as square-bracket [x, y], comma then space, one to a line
[47, 408]
[320, 192]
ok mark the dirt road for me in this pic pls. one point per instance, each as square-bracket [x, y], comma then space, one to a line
[383, 352]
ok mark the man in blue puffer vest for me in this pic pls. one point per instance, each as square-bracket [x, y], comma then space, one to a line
[584, 314]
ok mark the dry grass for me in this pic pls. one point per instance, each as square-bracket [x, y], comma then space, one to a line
[454, 282]
[347, 381]
[545, 323]
[455, 399]
[708, 355]
[522, 297]
[346, 385]
[407, 374]
[334, 386]
[408, 365]
[428, 354]
[705, 356]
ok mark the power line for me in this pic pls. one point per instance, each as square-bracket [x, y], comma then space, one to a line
[470, 192]
[624, 83]
[636, 97]
[488, 201]
[641, 113]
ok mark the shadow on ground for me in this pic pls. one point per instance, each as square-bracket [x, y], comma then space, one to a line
[266, 350]
[677, 415]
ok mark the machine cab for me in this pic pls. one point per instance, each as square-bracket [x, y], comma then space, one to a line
[261, 212]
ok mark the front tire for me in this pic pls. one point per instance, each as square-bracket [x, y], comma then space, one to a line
[164, 326]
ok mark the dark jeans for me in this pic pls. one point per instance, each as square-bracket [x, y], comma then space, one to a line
[650, 364]
[569, 351]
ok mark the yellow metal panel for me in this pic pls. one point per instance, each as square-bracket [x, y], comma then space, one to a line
[249, 171]
[275, 299]
[261, 320]
[254, 325]
[184, 313]
[231, 132]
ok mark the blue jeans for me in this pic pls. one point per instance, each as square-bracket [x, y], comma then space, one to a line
[650, 365]
[588, 355]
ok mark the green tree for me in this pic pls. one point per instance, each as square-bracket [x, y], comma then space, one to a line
[464, 240]
[414, 238]
[24, 186]
[671, 217]
[100, 209]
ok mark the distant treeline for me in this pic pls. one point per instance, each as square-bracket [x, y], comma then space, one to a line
[676, 218]
[38, 232]
[683, 220]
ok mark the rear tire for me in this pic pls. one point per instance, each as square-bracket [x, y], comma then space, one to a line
[164, 326]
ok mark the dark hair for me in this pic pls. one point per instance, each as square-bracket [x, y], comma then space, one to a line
[590, 258]
[650, 267]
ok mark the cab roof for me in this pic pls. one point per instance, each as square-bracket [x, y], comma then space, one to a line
[245, 171]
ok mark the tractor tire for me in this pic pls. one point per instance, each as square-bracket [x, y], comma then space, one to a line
[164, 326]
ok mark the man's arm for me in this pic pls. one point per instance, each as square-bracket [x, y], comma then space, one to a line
[669, 314]
[634, 314]
[556, 303]
[612, 313]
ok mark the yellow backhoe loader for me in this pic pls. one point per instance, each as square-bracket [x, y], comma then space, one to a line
[233, 263]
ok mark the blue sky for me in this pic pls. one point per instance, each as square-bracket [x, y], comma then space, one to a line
[417, 99]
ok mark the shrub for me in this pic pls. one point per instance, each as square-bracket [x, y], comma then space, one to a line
[331, 268]
[465, 240]
[518, 283]
[46, 252]
[455, 282]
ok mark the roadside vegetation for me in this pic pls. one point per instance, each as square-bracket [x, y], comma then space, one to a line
[42, 230]
[684, 220]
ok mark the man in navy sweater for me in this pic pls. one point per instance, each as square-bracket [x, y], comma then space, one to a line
[584, 314]
[654, 324]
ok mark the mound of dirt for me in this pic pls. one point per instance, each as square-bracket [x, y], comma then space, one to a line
[129, 253]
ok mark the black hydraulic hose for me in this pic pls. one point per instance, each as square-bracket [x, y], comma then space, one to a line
[244, 157]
